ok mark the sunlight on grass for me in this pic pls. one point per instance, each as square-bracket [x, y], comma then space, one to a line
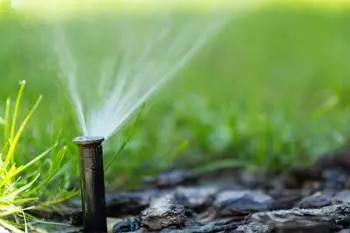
[70, 7]
[328, 5]
[21, 188]
[305, 117]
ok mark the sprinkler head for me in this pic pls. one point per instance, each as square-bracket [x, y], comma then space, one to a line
[92, 184]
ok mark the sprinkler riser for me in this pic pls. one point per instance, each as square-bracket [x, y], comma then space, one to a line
[92, 184]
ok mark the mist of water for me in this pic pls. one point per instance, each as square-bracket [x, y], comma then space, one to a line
[113, 66]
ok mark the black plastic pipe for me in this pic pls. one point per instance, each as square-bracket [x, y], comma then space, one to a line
[92, 184]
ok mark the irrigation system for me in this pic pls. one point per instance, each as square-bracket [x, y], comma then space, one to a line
[92, 184]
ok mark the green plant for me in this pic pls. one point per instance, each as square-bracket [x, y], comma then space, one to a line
[272, 91]
[20, 186]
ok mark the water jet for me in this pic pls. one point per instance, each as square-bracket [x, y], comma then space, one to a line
[92, 184]
[123, 61]
[134, 55]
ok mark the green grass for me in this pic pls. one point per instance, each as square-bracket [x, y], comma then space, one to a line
[22, 187]
[271, 91]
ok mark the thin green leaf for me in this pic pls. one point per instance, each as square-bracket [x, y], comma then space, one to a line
[15, 112]
[127, 138]
[14, 142]
[6, 119]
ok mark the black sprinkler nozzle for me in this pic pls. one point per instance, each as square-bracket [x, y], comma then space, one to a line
[92, 184]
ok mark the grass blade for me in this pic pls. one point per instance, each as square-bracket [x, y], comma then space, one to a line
[127, 138]
[6, 120]
[15, 140]
[15, 112]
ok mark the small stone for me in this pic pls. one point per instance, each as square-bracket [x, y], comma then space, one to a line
[324, 219]
[196, 198]
[254, 227]
[286, 199]
[317, 200]
[243, 201]
[342, 197]
[162, 213]
[127, 225]
[344, 231]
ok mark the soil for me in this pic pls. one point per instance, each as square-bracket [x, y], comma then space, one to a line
[303, 199]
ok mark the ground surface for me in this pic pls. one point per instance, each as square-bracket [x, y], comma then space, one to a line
[304, 199]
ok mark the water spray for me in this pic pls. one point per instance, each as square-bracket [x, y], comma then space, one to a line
[92, 184]
[137, 55]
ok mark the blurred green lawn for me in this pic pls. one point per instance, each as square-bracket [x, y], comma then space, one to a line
[270, 91]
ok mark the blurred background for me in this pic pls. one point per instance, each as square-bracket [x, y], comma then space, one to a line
[270, 91]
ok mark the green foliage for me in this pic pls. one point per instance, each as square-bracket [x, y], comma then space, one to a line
[270, 91]
[21, 183]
